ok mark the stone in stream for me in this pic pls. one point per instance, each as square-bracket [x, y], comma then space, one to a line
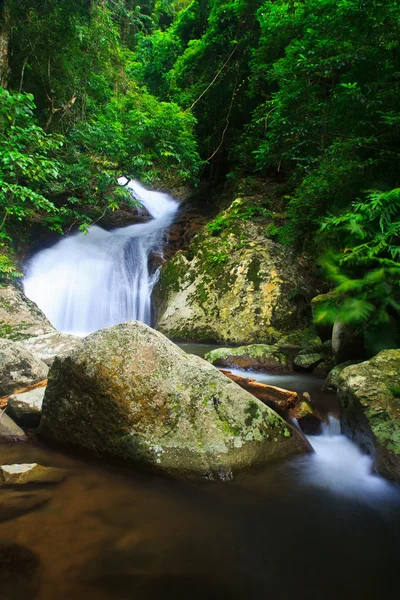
[9, 431]
[18, 367]
[26, 408]
[14, 503]
[255, 356]
[19, 571]
[127, 392]
[30, 473]
[307, 362]
[370, 401]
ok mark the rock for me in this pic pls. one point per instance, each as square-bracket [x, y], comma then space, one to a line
[30, 473]
[127, 392]
[13, 503]
[234, 285]
[307, 362]
[18, 367]
[21, 320]
[275, 397]
[257, 356]
[322, 369]
[9, 431]
[332, 379]
[370, 401]
[48, 345]
[347, 343]
[19, 571]
[308, 418]
[319, 304]
[26, 408]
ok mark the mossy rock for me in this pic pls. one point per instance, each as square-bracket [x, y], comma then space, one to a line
[370, 399]
[260, 357]
[233, 285]
[128, 393]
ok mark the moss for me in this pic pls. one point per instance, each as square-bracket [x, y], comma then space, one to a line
[253, 274]
[252, 411]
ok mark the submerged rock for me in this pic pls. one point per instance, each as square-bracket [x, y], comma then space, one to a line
[14, 503]
[18, 367]
[234, 285]
[30, 473]
[256, 356]
[127, 392]
[26, 408]
[370, 400]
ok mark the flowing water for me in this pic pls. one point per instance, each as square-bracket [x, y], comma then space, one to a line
[89, 281]
[319, 526]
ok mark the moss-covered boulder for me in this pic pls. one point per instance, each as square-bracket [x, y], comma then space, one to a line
[127, 392]
[18, 367]
[261, 357]
[370, 400]
[234, 285]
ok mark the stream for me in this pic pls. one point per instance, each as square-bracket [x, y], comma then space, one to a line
[321, 525]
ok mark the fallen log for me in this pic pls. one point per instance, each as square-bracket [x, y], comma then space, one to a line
[269, 394]
[29, 388]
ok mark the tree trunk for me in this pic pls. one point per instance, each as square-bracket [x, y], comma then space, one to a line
[4, 37]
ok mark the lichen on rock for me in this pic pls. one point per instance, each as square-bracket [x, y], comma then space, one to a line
[369, 394]
[127, 392]
[234, 285]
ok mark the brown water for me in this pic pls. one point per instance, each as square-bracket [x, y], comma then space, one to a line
[109, 533]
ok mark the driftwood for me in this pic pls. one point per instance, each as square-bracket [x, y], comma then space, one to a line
[269, 394]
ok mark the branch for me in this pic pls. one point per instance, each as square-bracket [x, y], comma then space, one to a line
[216, 77]
[226, 126]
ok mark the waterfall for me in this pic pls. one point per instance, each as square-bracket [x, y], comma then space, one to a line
[89, 281]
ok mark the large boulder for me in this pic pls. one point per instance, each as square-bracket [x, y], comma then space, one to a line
[18, 367]
[21, 320]
[370, 400]
[234, 285]
[127, 392]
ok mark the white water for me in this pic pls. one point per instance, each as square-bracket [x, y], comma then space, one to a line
[339, 466]
[90, 281]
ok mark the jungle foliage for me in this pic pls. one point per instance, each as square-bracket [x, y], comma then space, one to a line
[303, 92]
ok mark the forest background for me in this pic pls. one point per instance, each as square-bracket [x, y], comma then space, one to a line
[304, 94]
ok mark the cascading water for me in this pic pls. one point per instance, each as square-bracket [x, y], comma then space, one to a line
[90, 281]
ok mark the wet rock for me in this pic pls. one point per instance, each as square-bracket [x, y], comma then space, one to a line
[18, 367]
[256, 356]
[369, 393]
[234, 285]
[332, 379]
[307, 362]
[9, 431]
[275, 397]
[14, 503]
[127, 392]
[19, 571]
[26, 408]
[30, 473]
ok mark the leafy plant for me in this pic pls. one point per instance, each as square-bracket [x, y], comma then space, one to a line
[365, 268]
